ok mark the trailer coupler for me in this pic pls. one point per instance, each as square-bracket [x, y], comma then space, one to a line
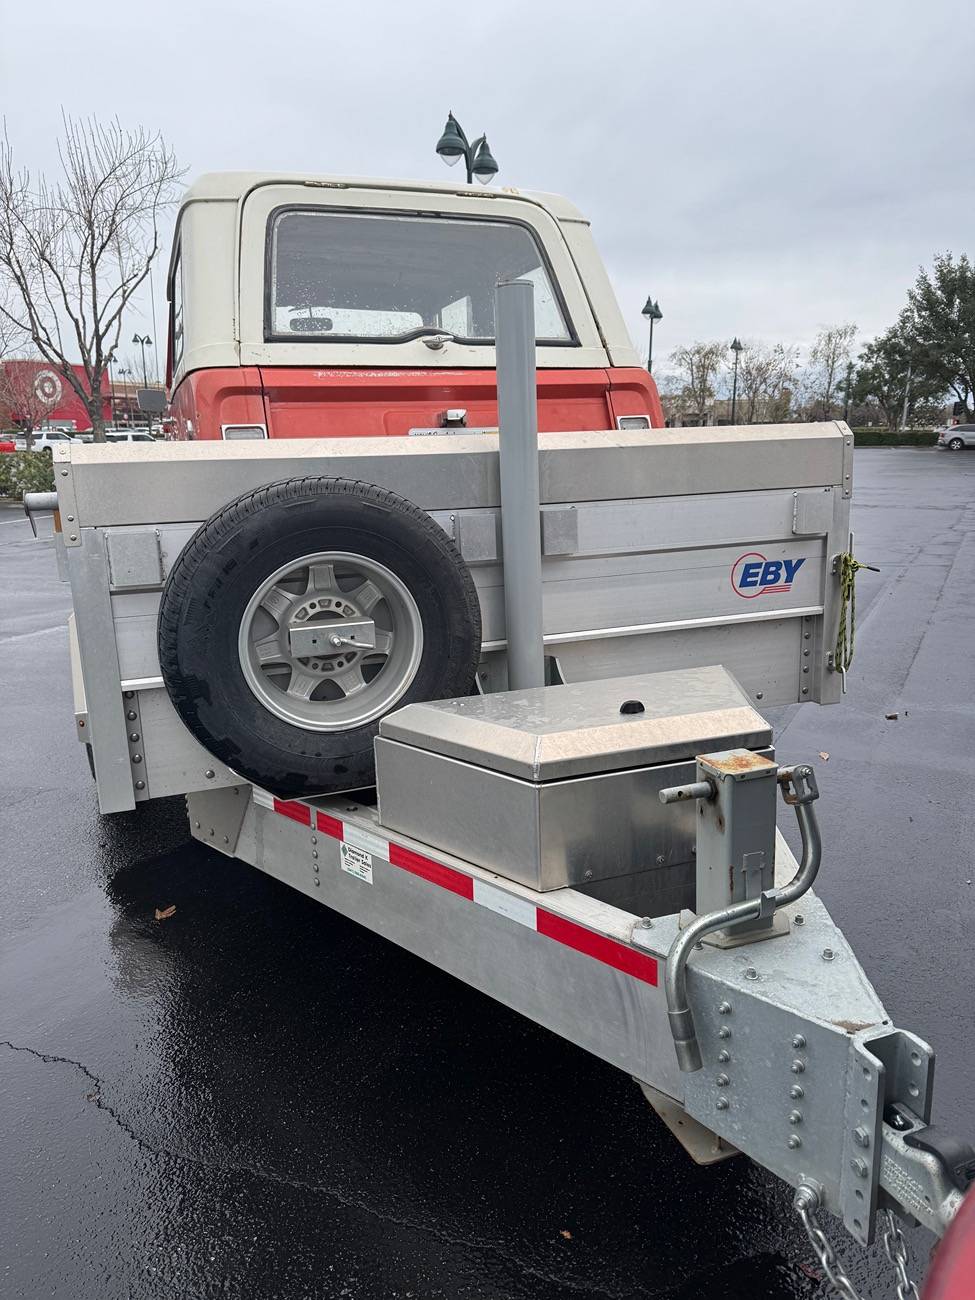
[785, 1051]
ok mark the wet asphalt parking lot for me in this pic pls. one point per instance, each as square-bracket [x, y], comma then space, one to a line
[258, 1099]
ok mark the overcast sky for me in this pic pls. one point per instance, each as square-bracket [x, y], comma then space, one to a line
[761, 167]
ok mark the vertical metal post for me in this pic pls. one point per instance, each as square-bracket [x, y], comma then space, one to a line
[514, 309]
[907, 399]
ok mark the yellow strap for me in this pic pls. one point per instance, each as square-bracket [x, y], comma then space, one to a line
[848, 569]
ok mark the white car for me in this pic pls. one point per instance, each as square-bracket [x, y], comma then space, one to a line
[128, 435]
[43, 439]
[956, 437]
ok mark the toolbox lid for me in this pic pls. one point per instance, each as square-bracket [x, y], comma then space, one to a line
[552, 732]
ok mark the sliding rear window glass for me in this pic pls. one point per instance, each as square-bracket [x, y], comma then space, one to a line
[372, 277]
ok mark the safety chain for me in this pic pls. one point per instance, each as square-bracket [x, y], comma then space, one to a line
[847, 568]
[896, 1248]
[806, 1204]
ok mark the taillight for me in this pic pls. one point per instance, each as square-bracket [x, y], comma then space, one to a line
[243, 431]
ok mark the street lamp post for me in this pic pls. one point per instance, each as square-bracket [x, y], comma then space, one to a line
[651, 312]
[144, 343]
[454, 145]
[737, 348]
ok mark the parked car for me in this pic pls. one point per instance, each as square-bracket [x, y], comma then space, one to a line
[956, 437]
[7, 444]
[128, 435]
[43, 439]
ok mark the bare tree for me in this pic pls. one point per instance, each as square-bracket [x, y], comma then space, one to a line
[27, 394]
[766, 381]
[74, 251]
[698, 366]
[828, 360]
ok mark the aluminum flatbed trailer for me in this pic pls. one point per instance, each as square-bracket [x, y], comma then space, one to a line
[588, 834]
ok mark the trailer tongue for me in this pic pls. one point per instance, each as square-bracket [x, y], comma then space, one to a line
[550, 847]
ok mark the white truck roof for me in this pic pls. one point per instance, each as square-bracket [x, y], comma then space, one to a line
[236, 185]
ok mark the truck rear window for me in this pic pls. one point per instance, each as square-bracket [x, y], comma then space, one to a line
[364, 277]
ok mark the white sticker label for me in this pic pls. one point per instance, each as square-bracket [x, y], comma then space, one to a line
[356, 862]
[516, 909]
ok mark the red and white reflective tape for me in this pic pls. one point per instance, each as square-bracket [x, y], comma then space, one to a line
[558, 928]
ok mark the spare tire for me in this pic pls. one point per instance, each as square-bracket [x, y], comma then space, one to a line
[300, 614]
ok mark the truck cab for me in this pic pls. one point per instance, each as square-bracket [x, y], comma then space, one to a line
[325, 307]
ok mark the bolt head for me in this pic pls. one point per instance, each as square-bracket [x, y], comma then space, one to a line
[721, 1104]
[797, 1091]
[722, 1081]
[859, 1167]
[751, 973]
[136, 758]
[795, 1116]
[646, 923]
[317, 882]
[140, 785]
[800, 919]
[798, 1066]
[724, 1057]
[860, 1136]
[209, 774]
[314, 853]
[724, 1032]
[828, 954]
[795, 1141]
[133, 736]
[724, 1009]
[798, 1041]
[131, 715]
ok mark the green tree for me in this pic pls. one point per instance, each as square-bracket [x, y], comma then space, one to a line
[940, 321]
[888, 374]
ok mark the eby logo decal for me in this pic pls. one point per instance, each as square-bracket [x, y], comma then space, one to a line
[753, 575]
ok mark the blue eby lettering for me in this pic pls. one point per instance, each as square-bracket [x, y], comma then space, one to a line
[749, 574]
[761, 575]
[792, 567]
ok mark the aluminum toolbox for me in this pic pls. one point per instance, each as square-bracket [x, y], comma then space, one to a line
[558, 786]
